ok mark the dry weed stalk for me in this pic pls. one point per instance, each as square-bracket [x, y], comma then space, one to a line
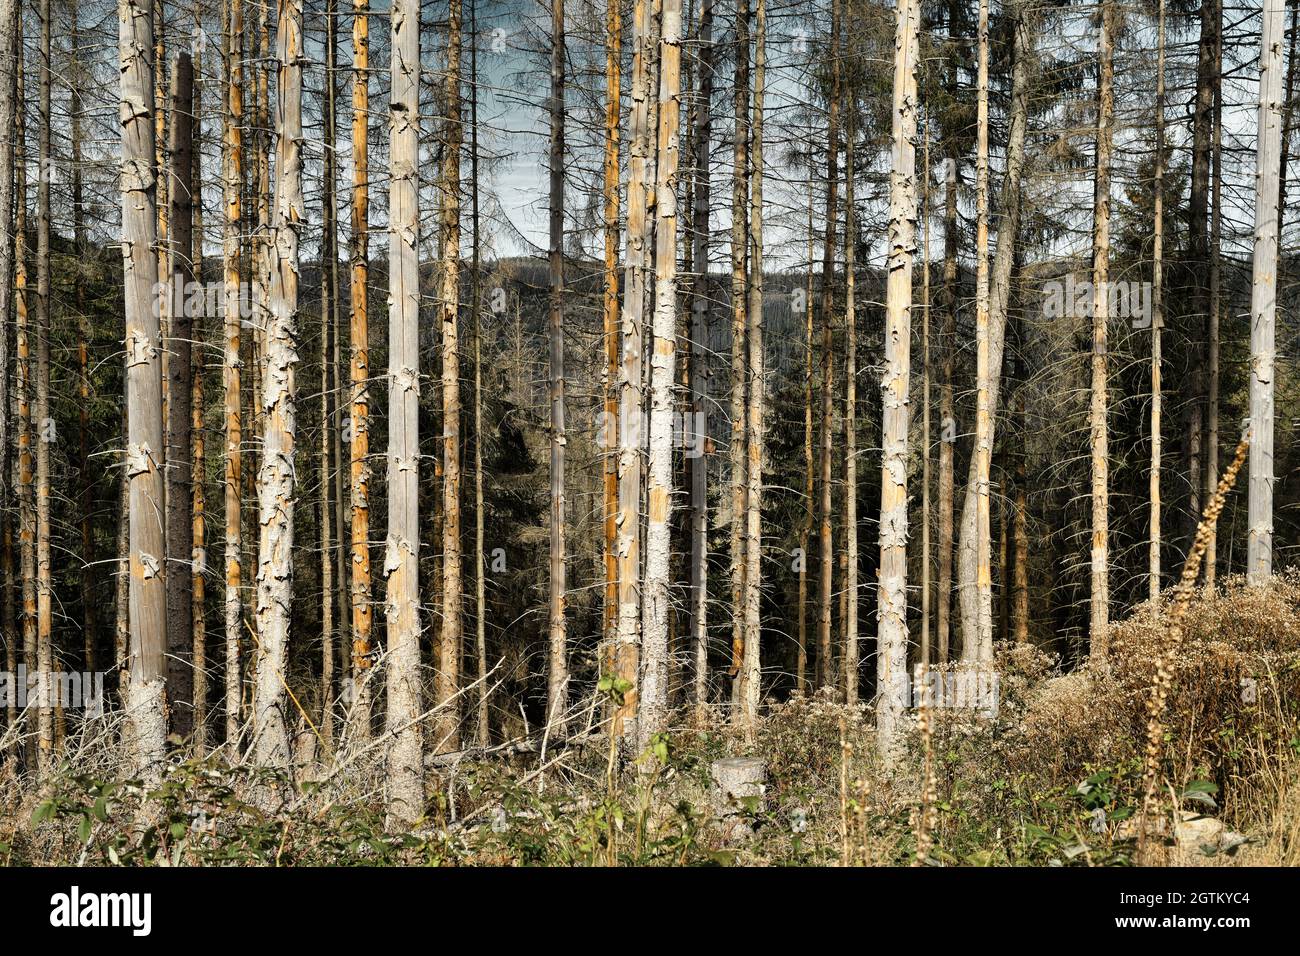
[1163, 678]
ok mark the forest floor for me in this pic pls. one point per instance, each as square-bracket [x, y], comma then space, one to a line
[1054, 777]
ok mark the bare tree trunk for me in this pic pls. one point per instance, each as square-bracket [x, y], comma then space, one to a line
[557, 683]
[627, 653]
[754, 427]
[653, 711]
[891, 657]
[1157, 317]
[739, 263]
[277, 479]
[1099, 619]
[850, 618]
[700, 303]
[977, 642]
[45, 729]
[999, 296]
[401, 558]
[232, 366]
[329, 465]
[476, 307]
[180, 529]
[611, 436]
[9, 33]
[948, 344]
[447, 683]
[924, 651]
[359, 370]
[1263, 302]
[1216, 300]
[801, 680]
[825, 660]
[144, 387]
[23, 399]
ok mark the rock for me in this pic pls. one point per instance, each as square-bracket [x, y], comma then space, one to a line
[739, 785]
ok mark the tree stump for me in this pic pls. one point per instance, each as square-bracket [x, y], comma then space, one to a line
[739, 785]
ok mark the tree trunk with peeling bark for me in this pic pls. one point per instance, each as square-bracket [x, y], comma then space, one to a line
[739, 261]
[45, 434]
[277, 479]
[825, 660]
[401, 556]
[891, 613]
[652, 713]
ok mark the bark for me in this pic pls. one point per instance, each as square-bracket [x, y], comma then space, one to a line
[850, 618]
[999, 294]
[1263, 302]
[627, 651]
[447, 682]
[610, 314]
[359, 373]
[232, 365]
[805, 531]
[277, 478]
[476, 306]
[23, 400]
[45, 435]
[948, 339]
[1157, 316]
[891, 614]
[1099, 604]
[652, 713]
[401, 556]
[330, 572]
[754, 426]
[925, 649]
[825, 661]
[700, 302]
[1216, 300]
[739, 261]
[8, 76]
[557, 682]
[179, 519]
[144, 388]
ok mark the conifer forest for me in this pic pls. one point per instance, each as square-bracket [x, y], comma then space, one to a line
[649, 433]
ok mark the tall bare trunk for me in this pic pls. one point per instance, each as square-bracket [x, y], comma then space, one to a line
[653, 711]
[977, 642]
[232, 186]
[997, 301]
[1216, 300]
[1099, 618]
[825, 660]
[179, 529]
[476, 309]
[613, 83]
[1263, 302]
[850, 618]
[739, 264]
[45, 436]
[636, 264]
[277, 479]
[144, 386]
[701, 289]
[359, 371]
[754, 427]
[891, 614]
[1157, 317]
[925, 649]
[447, 683]
[557, 683]
[9, 33]
[401, 557]
[948, 345]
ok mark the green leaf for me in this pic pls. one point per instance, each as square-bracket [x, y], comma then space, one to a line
[83, 829]
[44, 811]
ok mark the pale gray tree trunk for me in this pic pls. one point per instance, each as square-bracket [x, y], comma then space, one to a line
[653, 711]
[891, 613]
[401, 554]
[277, 478]
[1263, 300]
[147, 595]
